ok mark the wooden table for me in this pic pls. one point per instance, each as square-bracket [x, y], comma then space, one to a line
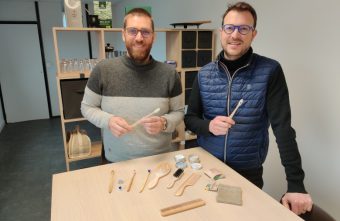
[83, 194]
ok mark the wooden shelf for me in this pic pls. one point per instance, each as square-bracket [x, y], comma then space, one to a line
[74, 120]
[73, 75]
[96, 151]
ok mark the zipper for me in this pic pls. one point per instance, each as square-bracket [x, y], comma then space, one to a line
[228, 102]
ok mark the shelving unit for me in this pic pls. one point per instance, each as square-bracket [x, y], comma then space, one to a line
[190, 48]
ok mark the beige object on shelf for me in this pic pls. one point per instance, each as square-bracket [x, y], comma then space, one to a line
[73, 13]
[182, 207]
[79, 144]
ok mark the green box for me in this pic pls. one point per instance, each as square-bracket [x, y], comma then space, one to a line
[104, 12]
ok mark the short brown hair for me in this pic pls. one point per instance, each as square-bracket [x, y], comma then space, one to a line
[241, 7]
[139, 12]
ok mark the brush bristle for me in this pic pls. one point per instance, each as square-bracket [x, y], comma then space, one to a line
[178, 172]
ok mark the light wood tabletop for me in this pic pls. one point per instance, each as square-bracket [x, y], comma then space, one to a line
[84, 194]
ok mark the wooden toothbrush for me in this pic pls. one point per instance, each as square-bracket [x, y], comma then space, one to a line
[178, 174]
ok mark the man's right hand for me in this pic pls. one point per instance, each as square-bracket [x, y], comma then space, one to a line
[220, 125]
[118, 126]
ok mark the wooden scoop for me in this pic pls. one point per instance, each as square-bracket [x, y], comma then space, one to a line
[192, 179]
[161, 170]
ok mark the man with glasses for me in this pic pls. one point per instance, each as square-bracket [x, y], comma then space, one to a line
[123, 90]
[234, 100]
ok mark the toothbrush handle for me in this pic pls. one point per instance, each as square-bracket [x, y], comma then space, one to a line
[170, 185]
[153, 182]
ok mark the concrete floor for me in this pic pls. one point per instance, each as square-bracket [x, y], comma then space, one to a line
[30, 153]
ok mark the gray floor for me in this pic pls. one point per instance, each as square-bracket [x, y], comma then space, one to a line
[30, 153]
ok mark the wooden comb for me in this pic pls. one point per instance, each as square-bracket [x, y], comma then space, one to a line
[192, 179]
[182, 207]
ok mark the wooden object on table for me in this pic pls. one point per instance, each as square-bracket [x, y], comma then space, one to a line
[82, 195]
[190, 181]
[182, 207]
[161, 170]
[111, 181]
[145, 181]
[177, 175]
[131, 181]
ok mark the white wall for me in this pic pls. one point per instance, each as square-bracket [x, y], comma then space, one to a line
[23, 11]
[50, 16]
[303, 35]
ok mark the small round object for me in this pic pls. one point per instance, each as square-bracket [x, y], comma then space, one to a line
[194, 159]
[196, 166]
[181, 165]
[179, 158]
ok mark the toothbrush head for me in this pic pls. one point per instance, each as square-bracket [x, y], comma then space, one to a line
[178, 173]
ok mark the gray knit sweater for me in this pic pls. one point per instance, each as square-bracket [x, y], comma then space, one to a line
[120, 87]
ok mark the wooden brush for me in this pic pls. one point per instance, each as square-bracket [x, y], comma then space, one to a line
[162, 170]
[192, 179]
[178, 174]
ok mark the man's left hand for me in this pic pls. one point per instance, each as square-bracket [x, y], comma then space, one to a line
[153, 125]
[299, 203]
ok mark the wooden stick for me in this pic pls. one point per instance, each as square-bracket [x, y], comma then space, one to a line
[182, 207]
[146, 180]
[111, 181]
[240, 102]
[146, 116]
[131, 181]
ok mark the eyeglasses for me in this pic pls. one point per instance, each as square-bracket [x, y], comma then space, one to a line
[242, 29]
[134, 32]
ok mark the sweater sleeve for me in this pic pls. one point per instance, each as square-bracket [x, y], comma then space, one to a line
[278, 108]
[194, 117]
[91, 103]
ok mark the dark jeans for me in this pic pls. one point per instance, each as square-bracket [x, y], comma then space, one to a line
[253, 175]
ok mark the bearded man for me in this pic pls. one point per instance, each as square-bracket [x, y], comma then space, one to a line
[122, 90]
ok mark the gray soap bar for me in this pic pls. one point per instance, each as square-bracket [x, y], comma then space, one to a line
[229, 194]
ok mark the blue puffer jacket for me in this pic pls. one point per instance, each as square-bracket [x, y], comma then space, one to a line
[246, 144]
